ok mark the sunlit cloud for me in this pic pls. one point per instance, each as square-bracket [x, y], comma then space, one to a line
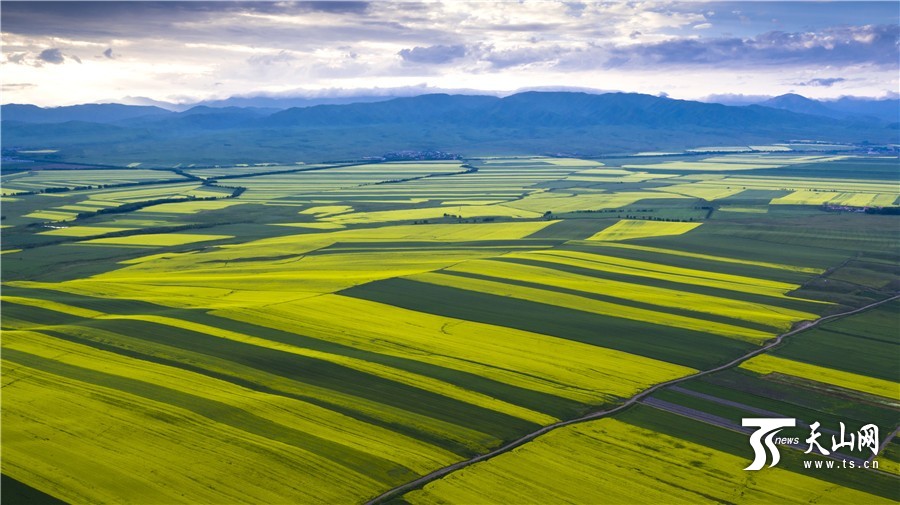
[202, 50]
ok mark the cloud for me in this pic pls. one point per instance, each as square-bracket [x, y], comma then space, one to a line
[162, 19]
[16, 86]
[53, 56]
[735, 99]
[433, 54]
[181, 48]
[824, 82]
[838, 46]
[338, 7]
[271, 59]
[521, 56]
[17, 58]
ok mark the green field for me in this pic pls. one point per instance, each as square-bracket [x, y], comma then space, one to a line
[685, 443]
[326, 333]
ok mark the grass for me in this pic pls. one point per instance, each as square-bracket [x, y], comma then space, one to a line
[682, 166]
[14, 491]
[394, 374]
[461, 212]
[782, 396]
[629, 229]
[322, 211]
[650, 270]
[82, 231]
[204, 395]
[578, 463]
[196, 465]
[890, 457]
[559, 202]
[773, 316]
[592, 305]
[837, 198]
[766, 364]
[701, 190]
[694, 349]
[272, 367]
[157, 239]
[744, 209]
[878, 487]
[306, 342]
[190, 207]
[871, 339]
[527, 360]
[42, 179]
[715, 258]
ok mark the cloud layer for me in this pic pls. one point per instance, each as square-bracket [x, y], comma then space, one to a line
[70, 52]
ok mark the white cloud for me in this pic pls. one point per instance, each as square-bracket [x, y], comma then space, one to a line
[185, 49]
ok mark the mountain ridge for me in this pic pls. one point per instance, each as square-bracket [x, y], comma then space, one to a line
[885, 109]
[525, 123]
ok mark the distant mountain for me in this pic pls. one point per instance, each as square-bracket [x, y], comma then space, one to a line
[537, 109]
[282, 103]
[93, 113]
[574, 123]
[887, 109]
[844, 108]
[423, 108]
[201, 117]
[801, 104]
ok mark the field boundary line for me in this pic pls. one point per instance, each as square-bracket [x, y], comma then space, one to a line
[440, 472]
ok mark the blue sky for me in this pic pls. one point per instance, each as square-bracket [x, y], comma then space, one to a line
[57, 53]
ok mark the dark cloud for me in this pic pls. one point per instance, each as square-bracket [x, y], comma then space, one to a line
[17, 58]
[118, 18]
[16, 86]
[94, 18]
[875, 44]
[522, 56]
[433, 54]
[337, 7]
[253, 24]
[109, 53]
[575, 9]
[823, 82]
[271, 59]
[54, 56]
[528, 27]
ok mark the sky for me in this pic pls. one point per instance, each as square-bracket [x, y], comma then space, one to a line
[62, 53]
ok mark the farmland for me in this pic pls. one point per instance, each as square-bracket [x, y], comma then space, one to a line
[685, 443]
[326, 333]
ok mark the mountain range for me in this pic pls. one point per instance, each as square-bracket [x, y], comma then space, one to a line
[843, 108]
[523, 123]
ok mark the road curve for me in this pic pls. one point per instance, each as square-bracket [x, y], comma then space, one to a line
[440, 472]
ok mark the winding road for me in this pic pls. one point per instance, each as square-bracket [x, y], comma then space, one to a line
[425, 479]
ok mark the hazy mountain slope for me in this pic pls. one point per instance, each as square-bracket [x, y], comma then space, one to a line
[844, 108]
[525, 123]
[94, 113]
